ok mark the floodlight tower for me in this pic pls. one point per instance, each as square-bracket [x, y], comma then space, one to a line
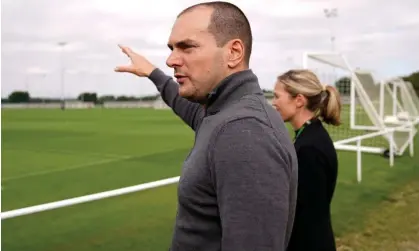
[33, 71]
[62, 44]
[330, 14]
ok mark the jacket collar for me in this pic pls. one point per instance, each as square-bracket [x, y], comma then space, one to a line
[231, 89]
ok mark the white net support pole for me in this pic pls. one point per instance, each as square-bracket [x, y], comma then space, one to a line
[382, 87]
[412, 138]
[358, 161]
[352, 106]
[391, 150]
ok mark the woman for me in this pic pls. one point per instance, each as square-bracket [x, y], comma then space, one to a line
[305, 103]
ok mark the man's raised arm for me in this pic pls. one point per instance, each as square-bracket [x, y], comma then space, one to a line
[191, 113]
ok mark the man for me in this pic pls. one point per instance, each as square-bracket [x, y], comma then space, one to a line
[237, 189]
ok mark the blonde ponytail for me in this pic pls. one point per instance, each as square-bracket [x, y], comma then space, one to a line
[330, 111]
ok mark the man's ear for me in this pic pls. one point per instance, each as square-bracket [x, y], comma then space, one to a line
[300, 101]
[235, 52]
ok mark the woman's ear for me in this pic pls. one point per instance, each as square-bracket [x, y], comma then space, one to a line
[300, 101]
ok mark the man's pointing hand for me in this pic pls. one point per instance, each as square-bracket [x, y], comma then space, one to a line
[139, 66]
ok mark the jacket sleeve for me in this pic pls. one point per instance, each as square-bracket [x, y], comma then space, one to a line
[191, 113]
[252, 184]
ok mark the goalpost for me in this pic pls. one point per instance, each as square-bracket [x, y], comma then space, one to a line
[374, 119]
[409, 101]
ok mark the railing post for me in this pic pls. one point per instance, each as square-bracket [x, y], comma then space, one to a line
[358, 161]
[412, 129]
[391, 148]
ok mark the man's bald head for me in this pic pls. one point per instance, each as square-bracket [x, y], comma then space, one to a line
[227, 22]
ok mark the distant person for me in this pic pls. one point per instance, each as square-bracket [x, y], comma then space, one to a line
[238, 185]
[304, 102]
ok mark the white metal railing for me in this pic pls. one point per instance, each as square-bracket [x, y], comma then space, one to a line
[341, 144]
[86, 198]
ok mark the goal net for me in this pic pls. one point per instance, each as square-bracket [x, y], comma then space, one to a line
[415, 99]
[408, 98]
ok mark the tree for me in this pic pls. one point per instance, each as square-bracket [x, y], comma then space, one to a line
[150, 97]
[268, 93]
[414, 79]
[19, 97]
[105, 98]
[88, 97]
[122, 98]
[343, 85]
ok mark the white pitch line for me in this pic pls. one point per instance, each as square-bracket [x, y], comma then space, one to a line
[66, 168]
[69, 152]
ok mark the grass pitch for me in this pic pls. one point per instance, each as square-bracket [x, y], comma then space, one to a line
[50, 155]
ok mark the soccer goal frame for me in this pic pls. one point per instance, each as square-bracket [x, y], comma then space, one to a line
[384, 124]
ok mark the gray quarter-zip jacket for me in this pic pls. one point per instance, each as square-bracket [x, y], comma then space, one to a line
[238, 185]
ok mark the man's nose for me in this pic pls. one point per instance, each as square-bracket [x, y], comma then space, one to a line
[173, 60]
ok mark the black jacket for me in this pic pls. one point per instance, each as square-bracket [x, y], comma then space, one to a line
[317, 174]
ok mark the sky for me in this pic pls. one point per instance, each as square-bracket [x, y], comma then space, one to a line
[374, 35]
